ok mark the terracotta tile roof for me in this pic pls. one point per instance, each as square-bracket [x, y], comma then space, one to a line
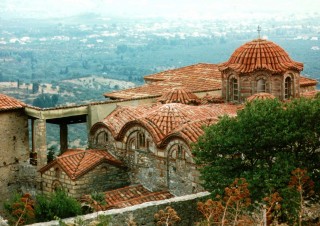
[310, 94]
[179, 95]
[9, 103]
[304, 81]
[133, 195]
[260, 54]
[163, 120]
[196, 78]
[128, 196]
[76, 162]
[212, 99]
[191, 131]
[261, 96]
[120, 116]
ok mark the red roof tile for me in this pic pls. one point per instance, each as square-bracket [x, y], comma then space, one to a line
[261, 96]
[120, 116]
[260, 54]
[9, 103]
[179, 95]
[212, 99]
[129, 196]
[76, 162]
[196, 78]
[310, 94]
[304, 81]
[163, 120]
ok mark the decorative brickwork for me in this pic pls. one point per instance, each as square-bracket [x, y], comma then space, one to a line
[261, 66]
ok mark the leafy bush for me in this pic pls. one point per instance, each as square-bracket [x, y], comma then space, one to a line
[58, 204]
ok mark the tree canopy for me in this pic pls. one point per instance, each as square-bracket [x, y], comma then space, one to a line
[264, 143]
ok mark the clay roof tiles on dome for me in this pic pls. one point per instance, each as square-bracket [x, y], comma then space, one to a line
[164, 120]
[193, 130]
[196, 78]
[260, 54]
[179, 95]
[10, 103]
[122, 115]
[76, 162]
[261, 96]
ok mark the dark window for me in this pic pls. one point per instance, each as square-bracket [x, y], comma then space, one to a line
[287, 88]
[234, 90]
[261, 86]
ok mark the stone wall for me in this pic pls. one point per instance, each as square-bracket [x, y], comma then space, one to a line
[102, 178]
[14, 149]
[143, 214]
[153, 167]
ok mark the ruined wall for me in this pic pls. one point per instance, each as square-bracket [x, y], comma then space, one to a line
[143, 214]
[102, 178]
[14, 149]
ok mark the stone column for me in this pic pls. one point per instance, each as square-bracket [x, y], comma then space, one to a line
[63, 137]
[40, 142]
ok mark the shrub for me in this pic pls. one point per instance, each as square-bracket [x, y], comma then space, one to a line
[58, 204]
[20, 209]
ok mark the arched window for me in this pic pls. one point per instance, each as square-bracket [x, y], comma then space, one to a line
[57, 172]
[234, 89]
[132, 143]
[56, 185]
[287, 88]
[261, 86]
[141, 140]
[102, 138]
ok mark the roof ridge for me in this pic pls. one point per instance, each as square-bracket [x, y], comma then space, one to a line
[78, 164]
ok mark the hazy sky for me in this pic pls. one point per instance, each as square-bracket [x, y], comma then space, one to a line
[166, 8]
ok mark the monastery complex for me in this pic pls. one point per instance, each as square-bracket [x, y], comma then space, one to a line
[140, 139]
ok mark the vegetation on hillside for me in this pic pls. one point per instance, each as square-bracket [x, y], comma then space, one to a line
[263, 144]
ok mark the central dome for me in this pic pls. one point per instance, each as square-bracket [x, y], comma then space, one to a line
[261, 54]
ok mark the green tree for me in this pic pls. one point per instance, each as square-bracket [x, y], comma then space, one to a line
[264, 143]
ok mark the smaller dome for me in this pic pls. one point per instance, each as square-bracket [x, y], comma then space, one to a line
[179, 95]
[260, 54]
[168, 117]
[260, 96]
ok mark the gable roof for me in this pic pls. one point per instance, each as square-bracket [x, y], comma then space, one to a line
[76, 162]
[304, 81]
[310, 94]
[129, 196]
[196, 78]
[10, 103]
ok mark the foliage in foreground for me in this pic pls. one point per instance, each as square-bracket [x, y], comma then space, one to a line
[167, 217]
[20, 210]
[58, 204]
[263, 144]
